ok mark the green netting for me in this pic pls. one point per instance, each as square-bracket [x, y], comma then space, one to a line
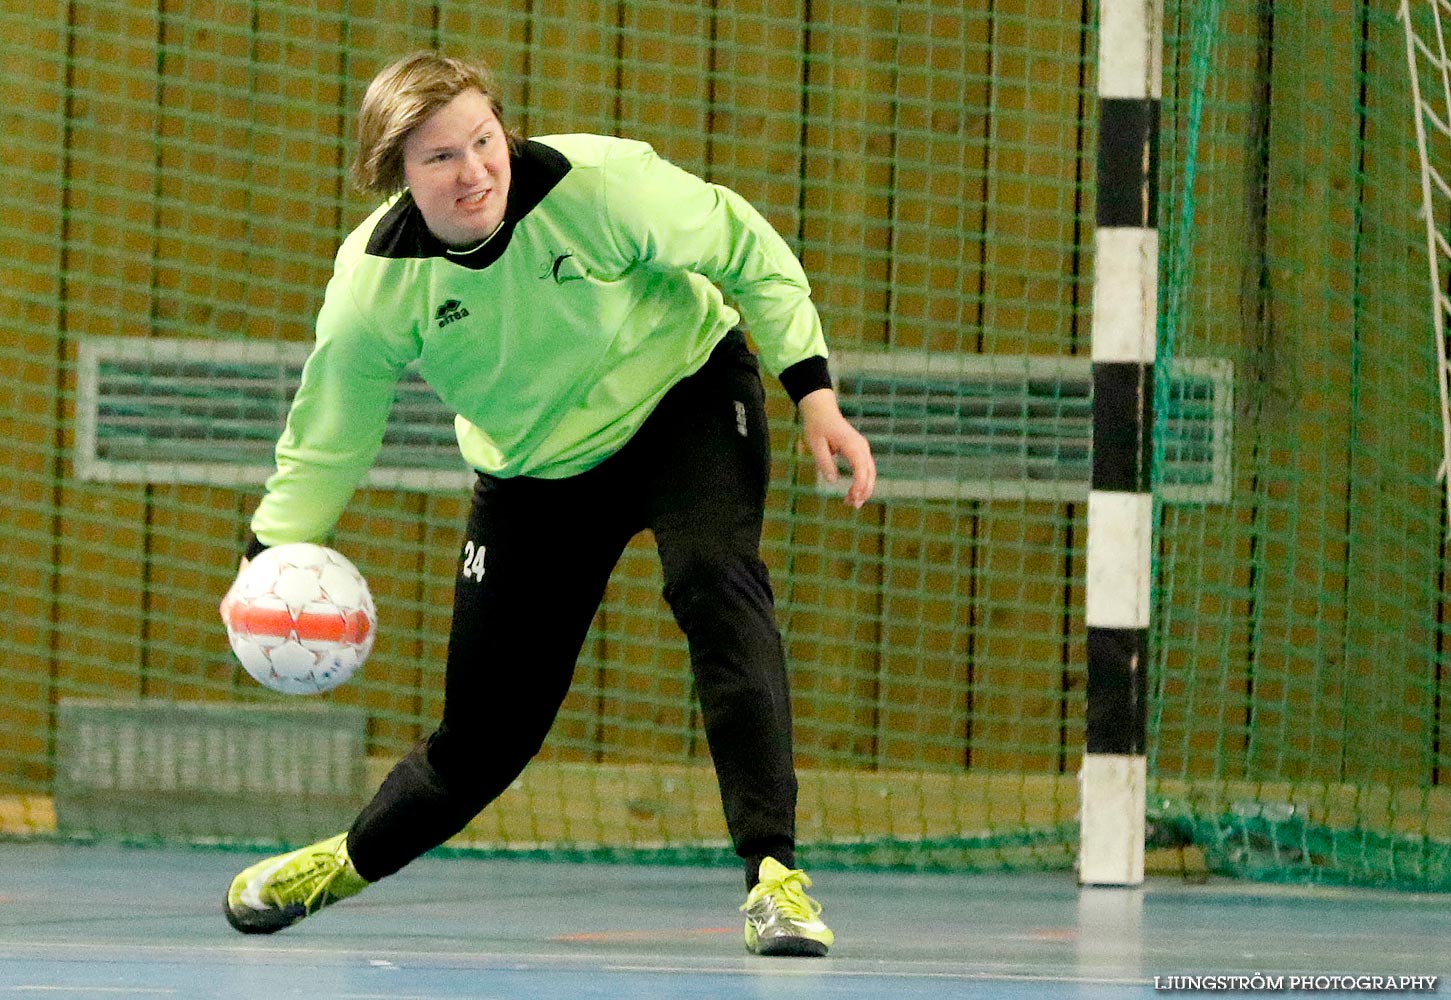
[1300, 626]
[175, 192]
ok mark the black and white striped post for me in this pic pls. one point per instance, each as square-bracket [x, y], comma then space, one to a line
[1120, 504]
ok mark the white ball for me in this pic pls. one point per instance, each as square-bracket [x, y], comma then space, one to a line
[300, 618]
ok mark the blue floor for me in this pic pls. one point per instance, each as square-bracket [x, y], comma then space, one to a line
[105, 921]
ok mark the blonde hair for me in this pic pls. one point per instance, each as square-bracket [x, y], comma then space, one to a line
[401, 98]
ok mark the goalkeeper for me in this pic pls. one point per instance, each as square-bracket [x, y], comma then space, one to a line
[564, 297]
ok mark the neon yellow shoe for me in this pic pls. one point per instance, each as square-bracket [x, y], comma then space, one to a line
[780, 918]
[280, 891]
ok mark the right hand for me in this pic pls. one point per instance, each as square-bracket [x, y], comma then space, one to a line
[230, 595]
[827, 434]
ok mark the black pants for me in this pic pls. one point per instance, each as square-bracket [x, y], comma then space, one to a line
[532, 573]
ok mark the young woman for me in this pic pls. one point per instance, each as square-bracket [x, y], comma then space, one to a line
[565, 296]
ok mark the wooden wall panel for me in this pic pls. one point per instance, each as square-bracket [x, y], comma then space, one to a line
[1033, 304]
[1396, 503]
[641, 679]
[846, 243]
[205, 156]
[374, 34]
[664, 90]
[1200, 710]
[940, 194]
[497, 35]
[1203, 706]
[1020, 642]
[1300, 676]
[940, 175]
[230, 115]
[300, 146]
[757, 65]
[383, 535]
[442, 548]
[32, 210]
[109, 247]
[830, 609]
[847, 201]
[1033, 298]
[192, 553]
[574, 67]
[927, 613]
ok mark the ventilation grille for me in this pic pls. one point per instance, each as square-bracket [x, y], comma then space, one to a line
[942, 426]
[158, 768]
[981, 427]
[198, 411]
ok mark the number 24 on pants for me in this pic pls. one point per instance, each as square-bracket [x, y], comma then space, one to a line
[473, 563]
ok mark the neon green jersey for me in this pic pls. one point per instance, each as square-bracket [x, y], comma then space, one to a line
[553, 340]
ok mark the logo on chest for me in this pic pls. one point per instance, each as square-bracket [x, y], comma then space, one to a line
[562, 267]
[450, 312]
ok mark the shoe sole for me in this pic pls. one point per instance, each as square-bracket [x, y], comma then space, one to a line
[261, 922]
[798, 947]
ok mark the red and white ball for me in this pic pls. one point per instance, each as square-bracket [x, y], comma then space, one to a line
[300, 618]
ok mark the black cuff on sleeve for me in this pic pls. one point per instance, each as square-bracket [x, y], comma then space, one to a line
[806, 377]
[255, 546]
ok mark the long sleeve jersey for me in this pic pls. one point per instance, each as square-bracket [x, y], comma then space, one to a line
[552, 341]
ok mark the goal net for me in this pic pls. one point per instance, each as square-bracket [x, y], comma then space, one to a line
[1300, 638]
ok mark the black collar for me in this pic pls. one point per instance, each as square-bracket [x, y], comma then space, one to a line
[534, 170]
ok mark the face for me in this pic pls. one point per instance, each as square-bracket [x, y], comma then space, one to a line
[457, 166]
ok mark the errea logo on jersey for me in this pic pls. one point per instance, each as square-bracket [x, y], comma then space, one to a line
[450, 312]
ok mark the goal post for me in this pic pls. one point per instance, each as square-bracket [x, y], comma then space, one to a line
[1120, 505]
